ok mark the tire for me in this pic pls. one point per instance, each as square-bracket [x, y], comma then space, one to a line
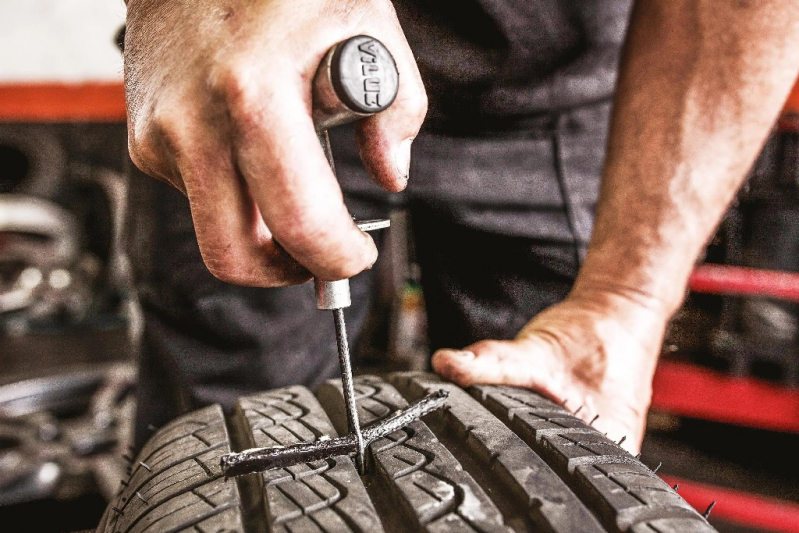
[498, 459]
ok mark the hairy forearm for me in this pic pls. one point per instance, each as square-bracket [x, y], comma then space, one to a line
[700, 85]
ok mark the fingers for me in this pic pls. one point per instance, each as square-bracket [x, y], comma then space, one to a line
[278, 153]
[234, 242]
[254, 173]
[504, 363]
[540, 368]
[384, 140]
[148, 154]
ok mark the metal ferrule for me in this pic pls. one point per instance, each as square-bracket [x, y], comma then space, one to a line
[332, 294]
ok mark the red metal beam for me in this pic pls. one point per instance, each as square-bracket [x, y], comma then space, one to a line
[723, 279]
[56, 102]
[789, 119]
[739, 507]
[692, 391]
[792, 104]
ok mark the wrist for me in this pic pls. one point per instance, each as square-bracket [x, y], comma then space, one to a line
[631, 322]
[637, 308]
[629, 273]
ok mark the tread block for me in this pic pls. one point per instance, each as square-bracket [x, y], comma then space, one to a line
[325, 495]
[431, 486]
[221, 522]
[546, 470]
[616, 486]
[194, 431]
[549, 501]
[578, 448]
[176, 481]
[204, 504]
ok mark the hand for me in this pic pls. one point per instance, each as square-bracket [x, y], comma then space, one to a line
[597, 352]
[219, 106]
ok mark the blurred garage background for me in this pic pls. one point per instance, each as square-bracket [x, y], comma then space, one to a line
[725, 418]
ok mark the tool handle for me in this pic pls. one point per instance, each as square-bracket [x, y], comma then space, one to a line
[357, 78]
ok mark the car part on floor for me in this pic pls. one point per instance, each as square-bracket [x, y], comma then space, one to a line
[63, 436]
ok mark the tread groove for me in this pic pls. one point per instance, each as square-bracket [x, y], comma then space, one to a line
[531, 496]
[200, 519]
[249, 487]
[449, 497]
[206, 500]
[327, 493]
[151, 508]
[168, 494]
[153, 475]
[201, 439]
[203, 466]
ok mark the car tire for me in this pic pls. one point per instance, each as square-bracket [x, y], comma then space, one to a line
[495, 459]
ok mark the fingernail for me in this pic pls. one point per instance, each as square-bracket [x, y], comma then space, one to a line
[403, 158]
[463, 355]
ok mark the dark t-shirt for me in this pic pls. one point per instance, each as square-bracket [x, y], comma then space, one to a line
[496, 64]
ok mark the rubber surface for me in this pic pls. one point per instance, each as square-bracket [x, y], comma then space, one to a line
[498, 459]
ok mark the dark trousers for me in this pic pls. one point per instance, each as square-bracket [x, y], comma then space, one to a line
[500, 225]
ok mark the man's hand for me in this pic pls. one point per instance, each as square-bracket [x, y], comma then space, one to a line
[700, 85]
[219, 106]
[595, 351]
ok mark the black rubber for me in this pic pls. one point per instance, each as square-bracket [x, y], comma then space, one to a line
[496, 459]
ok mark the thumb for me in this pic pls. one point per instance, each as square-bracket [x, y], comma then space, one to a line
[384, 140]
[532, 364]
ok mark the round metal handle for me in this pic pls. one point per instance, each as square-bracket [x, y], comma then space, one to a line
[357, 78]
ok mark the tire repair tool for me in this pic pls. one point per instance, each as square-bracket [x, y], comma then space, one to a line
[357, 78]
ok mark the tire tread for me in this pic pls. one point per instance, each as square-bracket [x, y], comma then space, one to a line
[496, 459]
[599, 470]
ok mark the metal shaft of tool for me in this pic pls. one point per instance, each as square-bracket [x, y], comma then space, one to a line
[348, 389]
[356, 79]
[344, 348]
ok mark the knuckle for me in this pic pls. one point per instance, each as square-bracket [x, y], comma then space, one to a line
[422, 103]
[230, 274]
[297, 232]
[347, 269]
[246, 260]
[141, 143]
[139, 155]
[224, 272]
[240, 87]
[307, 226]
[156, 142]
[170, 125]
[232, 83]
[414, 100]
[145, 154]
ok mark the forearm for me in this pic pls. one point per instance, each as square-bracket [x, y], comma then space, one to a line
[700, 85]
